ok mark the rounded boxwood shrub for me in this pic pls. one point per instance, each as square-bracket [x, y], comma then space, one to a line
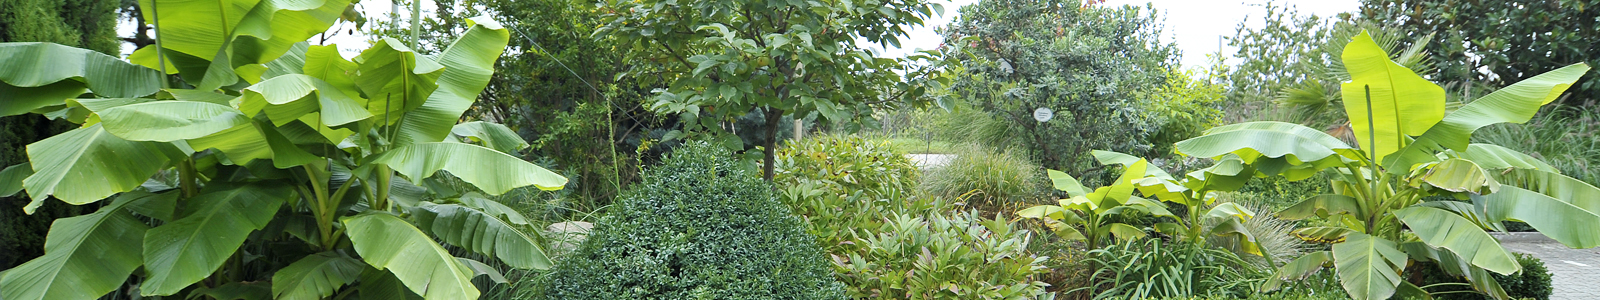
[701, 226]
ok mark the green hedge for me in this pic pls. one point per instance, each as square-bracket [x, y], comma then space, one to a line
[699, 227]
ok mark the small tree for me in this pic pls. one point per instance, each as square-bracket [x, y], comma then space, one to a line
[726, 58]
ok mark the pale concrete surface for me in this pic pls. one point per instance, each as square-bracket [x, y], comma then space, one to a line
[1574, 273]
[930, 160]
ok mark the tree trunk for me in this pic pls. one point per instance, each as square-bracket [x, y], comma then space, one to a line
[769, 153]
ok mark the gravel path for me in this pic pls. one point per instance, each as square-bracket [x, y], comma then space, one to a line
[1575, 273]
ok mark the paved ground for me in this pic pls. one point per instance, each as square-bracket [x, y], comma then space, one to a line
[930, 160]
[1575, 273]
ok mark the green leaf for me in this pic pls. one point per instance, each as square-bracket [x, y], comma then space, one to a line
[1517, 103]
[494, 208]
[287, 98]
[389, 243]
[396, 78]
[1562, 208]
[1298, 269]
[1066, 183]
[1444, 229]
[482, 233]
[11, 178]
[1459, 175]
[1117, 158]
[88, 164]
[1322, 205]
[274, 26]
[1366, 266]
[468, 63]
[482, 269]
[166, 121]
[85, 257]
[40, 74]
[1124, 231]
[493, 172]
[315, 277]
[248, 142]
[1252, 141]
[292, 62]
[378, 284]
[1325, 235]
[259, 290]
[1042, 211]
[1402, 103]
[1494, 157]
[217, 222]
[492, 135]
[324, 62]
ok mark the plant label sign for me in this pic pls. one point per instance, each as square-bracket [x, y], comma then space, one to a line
[1043, 114]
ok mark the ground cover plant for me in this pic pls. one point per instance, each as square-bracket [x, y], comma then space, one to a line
[265, 167]
[1382, 222]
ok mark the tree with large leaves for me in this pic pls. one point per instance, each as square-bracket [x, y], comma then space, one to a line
[1412, 152]
[265, 166]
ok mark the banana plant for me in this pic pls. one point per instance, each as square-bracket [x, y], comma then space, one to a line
[234, 160]
[1411, 149]
[1097, 212]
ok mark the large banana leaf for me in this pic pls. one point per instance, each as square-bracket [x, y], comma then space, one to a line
[1460, 175]
[493, 172]
[1401, 104]
[85, 257]
[1444, 229]
[1495, 157]
[315, 277]
[378, 284]
[217, 222]
[252, 141]
[292, 62]
[1066, 183]
[1367, 266]
[166, 121]
[11, 178]
[1562, 208]
[388, 242]
[478, 231]
[1513, 104]
[229, 35]
[287, 98]
[273, 27]
[43, 74]
[1254, 140]
[88, 164]
[492, 135]
[1323, 205]
[396, 78]
[324, 62]
[468, 63]
[1298, 269]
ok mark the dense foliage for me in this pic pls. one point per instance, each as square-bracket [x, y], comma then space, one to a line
[1511, 40]
[963, 256]
[700, 226]
[1098, 68]
[1152, 269]
[1533, 282]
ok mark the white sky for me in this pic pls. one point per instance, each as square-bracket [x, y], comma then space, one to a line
[1196, 25]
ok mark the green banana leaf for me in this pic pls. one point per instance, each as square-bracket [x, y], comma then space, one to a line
[1298, 269]
[1444, 229]
[396, 78]
[1252, 141]
[252, 141]
[1402, 104]
[287, 98]
[11, 178]
[1460, 175]
[43, 74]
[292, 62]
[1066, 183]
[1516, 103]
[1322, 205]
[1367, 266]
[492, 135]
[85, 257]
[166, 121]
[388, 242]
[88, 164]
[315, 277]
[468, 63]
[1562, 208]
[235, 291]
[491, 171]
[273, 27]
[324, 62]
[1495, 157]
[1118, 158]
[493, 208]
[378, 284]
[480, 232]
[216, 223]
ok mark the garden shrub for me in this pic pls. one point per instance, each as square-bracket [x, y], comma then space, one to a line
[852, 163]
[1533, 282]
[963, 256]
[700, 226]
[846, 186]
[987, 180]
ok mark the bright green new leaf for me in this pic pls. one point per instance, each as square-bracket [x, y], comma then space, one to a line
[324, 62]
[1367, 266]
[1441, 228]
[1322, 205]
[1066, 183]
[492, 135]
[272, 27]
[216, 223]
[166, 121]
[1298, 269]
[85, 257]
[493, 172]
[40, 74]
[252, 141]
[388, 242]
[1402, 103]
[1254, 140]
[1459, 175]
[396, 78]
[1495, 157]
[468, 63]
[1517, 103]
[288, 97]
[479, 231]
[88, 164]
[315, 277]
